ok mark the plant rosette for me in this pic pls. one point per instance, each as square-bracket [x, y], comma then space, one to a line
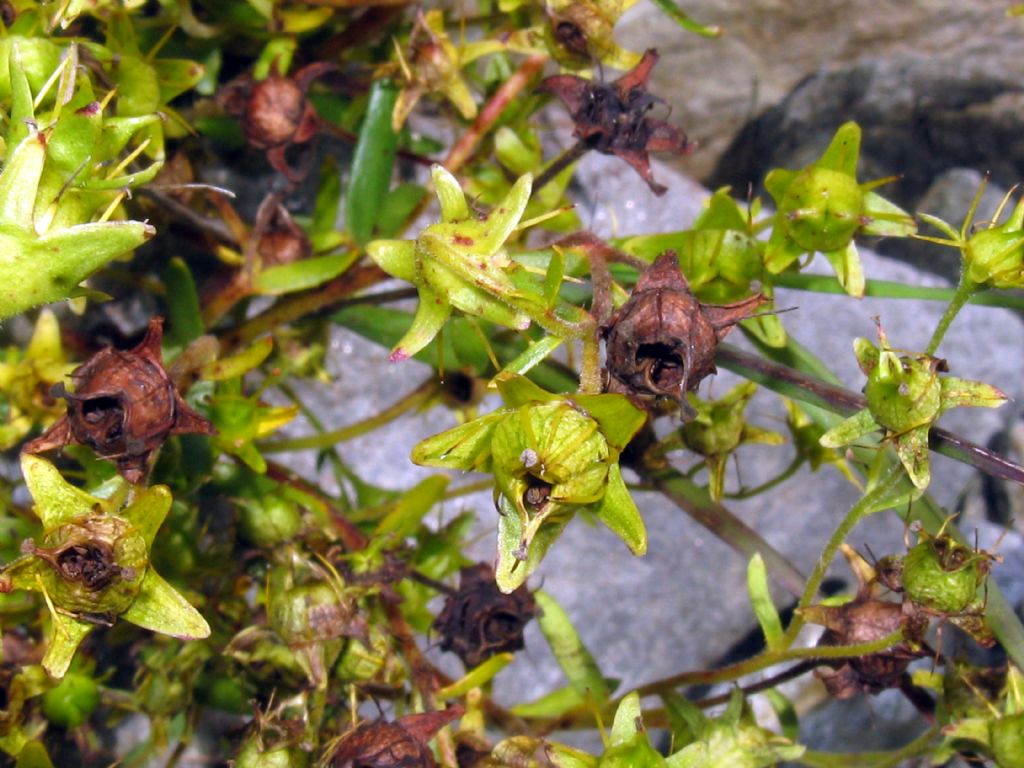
[551, 456]
[92, 564]
[905, 397]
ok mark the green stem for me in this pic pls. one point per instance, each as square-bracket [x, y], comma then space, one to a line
[870, 759]
[857, 512]
[890, 289]
[963, 293]
[783, 476]
[414, 399]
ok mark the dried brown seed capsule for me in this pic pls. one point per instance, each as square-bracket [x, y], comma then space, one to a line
[864, 621]
[281, 240]
[661, 343]
[402, 744]
[275, 112]
[612, 117]
[479, 620]
[124, 407]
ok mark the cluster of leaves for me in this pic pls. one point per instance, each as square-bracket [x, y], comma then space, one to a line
[149, 496]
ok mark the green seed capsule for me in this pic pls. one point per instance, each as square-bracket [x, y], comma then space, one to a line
[269, 521]
[823, 209]
[97, 564]
[942, 575]
[72, 702]
[904, 392]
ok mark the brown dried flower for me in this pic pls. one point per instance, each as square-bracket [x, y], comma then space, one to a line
[867, 619]
[661, 343]
[613, 117]
[401, 744]
[275, 113]
[124, 407]
[479, 620]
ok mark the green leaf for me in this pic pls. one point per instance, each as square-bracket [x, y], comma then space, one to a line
[66, 635]
[449, 194]
[431, 313]
[398, 207]
[240, 363]
[553, 277]
[761, 601]
[160, 608]
[476, 677]
[186, 322]
[624, 727]
[372, 163]
[467, 446]
[785, 711]
[303, 274]
[325, 208]
[571, 654]
[618, 418]
[843, 150]
[618, 511]
[519, 390]
[396, 257]
[533, 355]
[405, 518]
[550, 705]
[680, 17]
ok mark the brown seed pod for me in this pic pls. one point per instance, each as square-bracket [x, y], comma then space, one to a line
[612, 118]
[124, 407]
[864, 621]
[275, 113]
[661, 343]
[401, 744]
[479, 620]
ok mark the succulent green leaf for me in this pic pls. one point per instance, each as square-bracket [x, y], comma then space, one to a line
[449, 194]
[761, 601]
[533, 355]
[240, 363]
[66, 635]
[372, 163]
[411, 508]
[572, 655]
[184, 315]
[303, 274]
[617, 510]
[56, 500]
[465, 447]
[159, 607]
[478, 676]
[550, 705]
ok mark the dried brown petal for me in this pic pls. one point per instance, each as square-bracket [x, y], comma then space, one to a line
[661, 343]
[402, 744]
[479, 620]
[612, 118]
[124, 407]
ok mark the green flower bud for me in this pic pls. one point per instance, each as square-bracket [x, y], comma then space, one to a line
[97, 564]
[1007, 740]
[822, 209]
[72, 702]
[903, 391]
[942, 575]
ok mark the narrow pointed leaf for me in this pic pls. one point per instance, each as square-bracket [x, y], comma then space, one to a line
[372, 163]
[431, 314]
[184, 314]
[572, 655]
[533, 355]
[843, 151]
[303, 274]
[412, 507]
[618, 511]
[161, 608]
[761, 601]
[465, 447]
[627, 716]
[844, 433]
[19, 183]
[476, 677]
[887, 219]
[449, 194]
[236, 365]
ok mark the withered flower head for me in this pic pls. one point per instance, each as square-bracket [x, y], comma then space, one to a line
[401, 744]
[866, 619]
[661, 343]
[275, 113]
[479, 620]
[281, 240]
[613, 117]
[124, 407]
